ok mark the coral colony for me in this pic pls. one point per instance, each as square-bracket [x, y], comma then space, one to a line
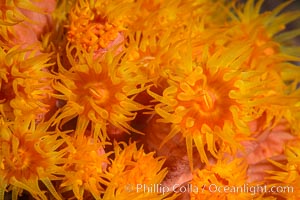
[149, 99]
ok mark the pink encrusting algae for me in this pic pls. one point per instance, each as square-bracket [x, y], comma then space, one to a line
[149, 99]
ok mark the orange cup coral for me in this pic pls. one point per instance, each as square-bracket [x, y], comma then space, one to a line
[149, 99]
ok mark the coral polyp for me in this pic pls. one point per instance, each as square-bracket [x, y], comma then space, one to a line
[200, 107]
[226, 185]
[25, 83]
[100, 92]
[29, 154]
[149, 99]
[91, 29]
[84, 168]
[130, 169]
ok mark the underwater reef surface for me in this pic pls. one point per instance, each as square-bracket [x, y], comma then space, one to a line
[149, 99]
